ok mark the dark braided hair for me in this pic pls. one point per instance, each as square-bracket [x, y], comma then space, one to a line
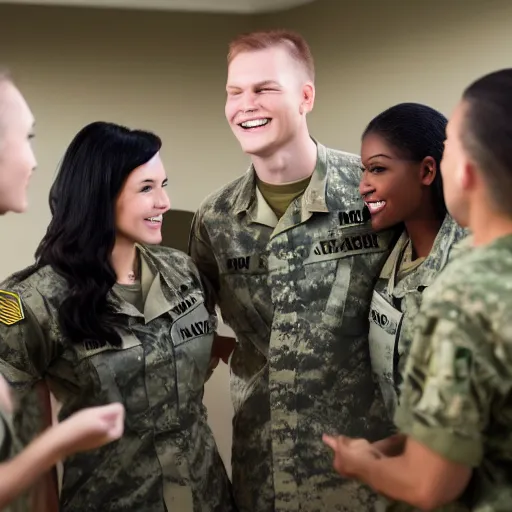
[416, 132]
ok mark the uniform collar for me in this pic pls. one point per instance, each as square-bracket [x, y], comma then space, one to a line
[449, 233]
[154, 299]
[250, 201]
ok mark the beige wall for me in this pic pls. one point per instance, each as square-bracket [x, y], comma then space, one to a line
[373, 54]
[166, 71]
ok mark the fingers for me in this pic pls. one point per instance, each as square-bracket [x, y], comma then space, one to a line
[117, 428]
[331, 442]
[112, 416]
[110, 412]
[359, 443]
[339, 442]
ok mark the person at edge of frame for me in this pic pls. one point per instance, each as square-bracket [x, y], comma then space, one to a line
[456, 401]
[21, 468]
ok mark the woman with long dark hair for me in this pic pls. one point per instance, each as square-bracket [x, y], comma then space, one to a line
[110, 316]
[401, 183]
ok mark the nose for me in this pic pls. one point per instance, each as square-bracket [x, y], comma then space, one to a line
[162, 201]
[249, 102]
[365, 185]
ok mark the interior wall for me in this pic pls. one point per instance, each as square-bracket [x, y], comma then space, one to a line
[166, 72]
[159, 71]
[371, 55]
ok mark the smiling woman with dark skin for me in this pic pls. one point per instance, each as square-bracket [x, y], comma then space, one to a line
[456, 399]
[401, 184]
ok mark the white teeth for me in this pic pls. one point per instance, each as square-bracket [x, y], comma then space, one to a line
[254, 123]
[374, 205]
[158, 218]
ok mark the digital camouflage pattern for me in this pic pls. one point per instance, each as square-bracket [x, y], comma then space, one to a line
[296, 292]
[456, 395]
[167, 459]
[406, 295]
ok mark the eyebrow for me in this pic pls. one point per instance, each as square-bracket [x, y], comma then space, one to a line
[148, 180]
[380, 154]
[258, 85]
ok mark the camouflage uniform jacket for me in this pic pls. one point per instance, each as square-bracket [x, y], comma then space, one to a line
[167, 459]
[404, 297]
[457, 390]
[297, 293]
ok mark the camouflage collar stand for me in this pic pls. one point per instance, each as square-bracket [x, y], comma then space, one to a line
[314, 199]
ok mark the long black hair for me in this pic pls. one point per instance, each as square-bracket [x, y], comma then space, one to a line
[416, 131]
[81, 235]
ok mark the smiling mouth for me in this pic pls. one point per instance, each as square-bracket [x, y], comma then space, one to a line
[255, 123]
[155, 220]
[375, 206]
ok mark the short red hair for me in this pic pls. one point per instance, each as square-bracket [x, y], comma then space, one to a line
[294, 43]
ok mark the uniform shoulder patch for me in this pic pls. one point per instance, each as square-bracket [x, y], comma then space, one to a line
[11, 309]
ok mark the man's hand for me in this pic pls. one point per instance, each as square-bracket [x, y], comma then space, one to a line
[351, 455]
[91, 428]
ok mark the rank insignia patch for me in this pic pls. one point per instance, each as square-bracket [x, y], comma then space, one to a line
[11, 310]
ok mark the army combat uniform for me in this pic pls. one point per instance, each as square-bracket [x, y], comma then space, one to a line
[167, 460]
[297, 293]
[457, 390]
[396, 302]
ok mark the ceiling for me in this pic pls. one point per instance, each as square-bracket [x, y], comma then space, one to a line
[224, 6]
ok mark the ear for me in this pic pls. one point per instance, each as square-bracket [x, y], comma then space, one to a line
[428, 170]
[308, 98]
[467, 176]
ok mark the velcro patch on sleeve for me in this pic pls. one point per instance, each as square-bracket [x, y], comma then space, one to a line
[11, 309]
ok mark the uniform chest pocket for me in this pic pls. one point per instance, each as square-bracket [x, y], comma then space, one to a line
[116, 374]
[245, 301]
[191, 335]
[245, 297]
[335, 260]
[385, 324]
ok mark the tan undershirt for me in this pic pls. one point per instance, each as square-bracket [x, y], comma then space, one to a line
[279, 197]
[407, 264]
[131, 293]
